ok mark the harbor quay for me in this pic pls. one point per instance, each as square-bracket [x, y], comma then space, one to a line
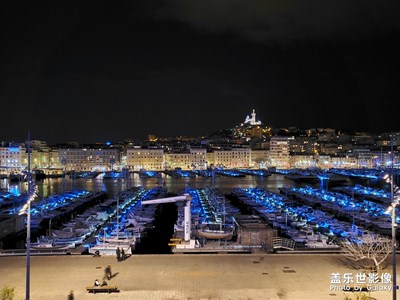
[208, 276]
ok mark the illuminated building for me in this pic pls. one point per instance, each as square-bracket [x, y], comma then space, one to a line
[250, 128]
[180, 160]
[198, 158]
[302, 161]
[279, 152]
[260, 159]
[194, 158]
[234, 158]
[12, 159]
[340, 162]
[252, 121]
[89, 159]
[147, 159]
[152, 138]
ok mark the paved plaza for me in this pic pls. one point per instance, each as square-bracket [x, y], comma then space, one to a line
[148, 277]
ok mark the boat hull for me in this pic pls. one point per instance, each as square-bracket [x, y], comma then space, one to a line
[215, 234]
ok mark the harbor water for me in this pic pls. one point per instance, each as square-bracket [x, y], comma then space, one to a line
[173, 186]
[51, 186]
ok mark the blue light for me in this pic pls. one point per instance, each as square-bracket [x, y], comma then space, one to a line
[108, 143]
[14, 190]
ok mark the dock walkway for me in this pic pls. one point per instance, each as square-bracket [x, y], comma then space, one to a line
[182, 277]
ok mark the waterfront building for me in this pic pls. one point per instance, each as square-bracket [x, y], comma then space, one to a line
[341, 162]
[302, 161]
[323, 161]
[39, 159]
[89, 159]
[54, 159]
[375, 159]
[280, 152]
[198, 158]
[12, 159]
[233, 158]
[260, 159]
[181, 160]
[143, 158]
[193, 158]
[210, 158]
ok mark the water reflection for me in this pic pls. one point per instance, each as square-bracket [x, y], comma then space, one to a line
[51, 186]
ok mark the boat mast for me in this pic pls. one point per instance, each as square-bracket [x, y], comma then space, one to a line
[117, 216]
[223, 215]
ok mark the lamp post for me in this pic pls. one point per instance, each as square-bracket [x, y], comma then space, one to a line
[26, 209]
[394, 197]
[394, 249]
[394, 204]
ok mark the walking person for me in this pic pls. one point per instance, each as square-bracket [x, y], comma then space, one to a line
[118, 254]
[107, 272]
[122, 254]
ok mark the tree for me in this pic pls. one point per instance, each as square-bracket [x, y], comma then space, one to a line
[7, 293]
[373, 247]
[359, 297]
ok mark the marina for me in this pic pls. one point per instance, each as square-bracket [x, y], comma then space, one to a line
[295, 214]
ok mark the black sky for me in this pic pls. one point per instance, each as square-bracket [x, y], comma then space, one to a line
[101, 70]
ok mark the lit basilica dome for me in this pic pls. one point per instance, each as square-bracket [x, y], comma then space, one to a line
[252, 120]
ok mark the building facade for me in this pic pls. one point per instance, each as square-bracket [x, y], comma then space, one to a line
[232, 159]
[147, 159]
[86, 159]
[280, 152]
[12, 159]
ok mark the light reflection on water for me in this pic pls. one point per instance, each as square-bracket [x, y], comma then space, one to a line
[51, 186]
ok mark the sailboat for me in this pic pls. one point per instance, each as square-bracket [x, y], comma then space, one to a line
[118, 235]
[218, 230]
[215, 232]
[107, 245]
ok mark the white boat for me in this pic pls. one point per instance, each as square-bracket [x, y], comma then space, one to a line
[320, 244]
[110, 248]
[50, 245]
[118, 240]
[215, 232]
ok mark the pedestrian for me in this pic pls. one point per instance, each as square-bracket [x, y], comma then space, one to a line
[122, 254]
[71, 295]
[118, 254]
[107, 272]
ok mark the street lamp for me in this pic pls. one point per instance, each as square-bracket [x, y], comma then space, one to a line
[395, 198]
[26, 209]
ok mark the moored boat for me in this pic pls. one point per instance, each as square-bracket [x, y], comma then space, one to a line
[50, 245]
[215, 232]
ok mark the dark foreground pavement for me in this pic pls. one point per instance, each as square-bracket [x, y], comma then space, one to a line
[158, 277]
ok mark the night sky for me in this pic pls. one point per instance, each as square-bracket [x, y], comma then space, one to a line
[91, 71]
